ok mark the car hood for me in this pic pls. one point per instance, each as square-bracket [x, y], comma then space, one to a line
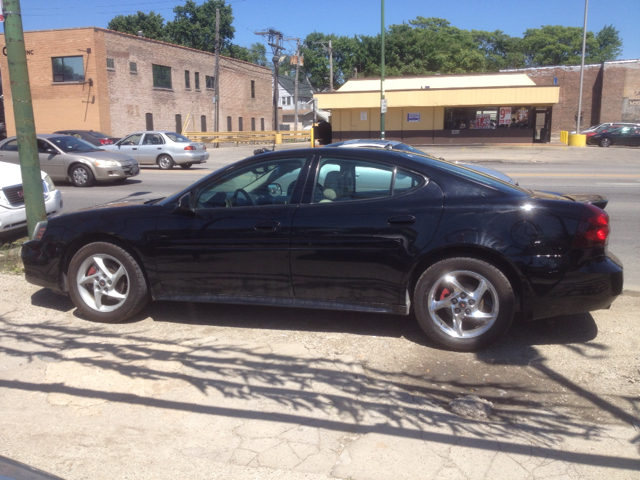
[11, 174]
[118, 157]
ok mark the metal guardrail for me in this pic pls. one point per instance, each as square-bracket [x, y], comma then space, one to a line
[249, 137]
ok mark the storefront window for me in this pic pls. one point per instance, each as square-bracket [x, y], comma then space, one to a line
[487, 118]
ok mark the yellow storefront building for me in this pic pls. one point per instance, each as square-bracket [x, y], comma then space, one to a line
[444, 109]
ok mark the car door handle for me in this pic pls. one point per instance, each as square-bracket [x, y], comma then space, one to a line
[134, 148]
[159, 148]
[402, 220]
[267, 227]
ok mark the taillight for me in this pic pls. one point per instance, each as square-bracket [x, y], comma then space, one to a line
[106, 141]
[593, 229]
[189, 147]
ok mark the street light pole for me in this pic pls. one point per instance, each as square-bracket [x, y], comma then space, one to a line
[383, 101]
[584, 42]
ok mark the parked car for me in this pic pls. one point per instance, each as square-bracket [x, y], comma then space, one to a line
[13, 215]
[94, 138]
[628, 135]
[600, 127]
[165, 149]
[349, 229]
[394, 145]
[68, 158]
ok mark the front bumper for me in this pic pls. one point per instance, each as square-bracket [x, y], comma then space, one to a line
[105, 174]
[12, 219]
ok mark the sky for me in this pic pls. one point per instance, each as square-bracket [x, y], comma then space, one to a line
[298, 18]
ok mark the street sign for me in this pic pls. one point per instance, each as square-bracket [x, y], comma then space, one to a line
[1, 12]
[383, 105]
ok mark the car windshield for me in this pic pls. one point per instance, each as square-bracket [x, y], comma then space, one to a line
[72, 144]
[602, 127]
[176, 137]
[98, 134]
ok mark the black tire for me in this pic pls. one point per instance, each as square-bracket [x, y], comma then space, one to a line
[484, 316]
[186, 165]
[605, 142]
[81, 176]
[86, 275]
[165, 162]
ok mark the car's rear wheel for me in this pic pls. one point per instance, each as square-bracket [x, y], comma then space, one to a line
[605, 142]
[81, 176]
[186, 165]
[464, 303]
[106, 283]
[165, 162]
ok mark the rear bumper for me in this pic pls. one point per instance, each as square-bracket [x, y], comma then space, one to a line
[191, 157]
[590, 287]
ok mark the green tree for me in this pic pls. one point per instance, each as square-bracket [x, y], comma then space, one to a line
[194, 25]
[609, 45]
[151, 25]
[500, 50]
[257, 53]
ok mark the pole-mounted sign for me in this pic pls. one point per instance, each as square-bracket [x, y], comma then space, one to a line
[1, 12]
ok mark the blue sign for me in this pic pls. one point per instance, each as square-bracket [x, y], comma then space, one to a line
[413, 117]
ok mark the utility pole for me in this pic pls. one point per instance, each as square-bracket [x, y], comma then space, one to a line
[274, 40]
[23, 115]
[216, 78]
[584, 41]
[383, 101]
[328, 49]
[295, 88]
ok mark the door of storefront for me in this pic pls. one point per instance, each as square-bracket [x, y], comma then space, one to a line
[541, 124]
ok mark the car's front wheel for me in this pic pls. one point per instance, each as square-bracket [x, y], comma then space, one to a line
[165, 162]
[464, 303]
[106, 283]
[81, 176]
[605, 142]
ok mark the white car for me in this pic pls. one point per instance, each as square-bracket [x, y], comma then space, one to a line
[13, 215]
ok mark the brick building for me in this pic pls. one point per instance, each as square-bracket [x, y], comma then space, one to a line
[97, 79]
[610, 92]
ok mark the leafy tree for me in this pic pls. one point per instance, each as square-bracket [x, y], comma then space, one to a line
[257, 53]
[195, 25]
[499, 49]
[609, 45]
[151, 25]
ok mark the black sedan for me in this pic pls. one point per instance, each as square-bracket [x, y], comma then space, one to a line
[95, 138]
[351, 229]
[617, 135]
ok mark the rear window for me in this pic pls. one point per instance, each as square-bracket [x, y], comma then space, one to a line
[489, 180]
[98, 134]
[176, 137]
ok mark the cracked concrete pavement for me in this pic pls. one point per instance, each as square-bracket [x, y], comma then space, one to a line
[224, 391]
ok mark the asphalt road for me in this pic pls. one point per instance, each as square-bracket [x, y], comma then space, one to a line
[612, 172]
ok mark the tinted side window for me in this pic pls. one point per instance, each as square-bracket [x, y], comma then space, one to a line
[345, 180]
[406, 181]
[11, 146]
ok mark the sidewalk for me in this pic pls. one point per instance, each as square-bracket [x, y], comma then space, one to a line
[219, 391]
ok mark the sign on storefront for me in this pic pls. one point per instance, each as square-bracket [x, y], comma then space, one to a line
[483, 121]
[363, 116]
[523, 115]
[413, 117]
[505, 116]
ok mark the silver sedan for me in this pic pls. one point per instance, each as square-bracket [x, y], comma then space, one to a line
[67, 158]
[164, 149]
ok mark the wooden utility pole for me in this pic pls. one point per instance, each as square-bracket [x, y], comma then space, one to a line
[275, 42]
[295, 88]
[23, 114]
[328, 49]
[216, 79]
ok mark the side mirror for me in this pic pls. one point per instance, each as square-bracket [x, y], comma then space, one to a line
[184, 205]
[51, 151]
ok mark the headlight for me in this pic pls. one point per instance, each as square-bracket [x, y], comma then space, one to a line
[107, 163]
[38, 232]
[48, 183]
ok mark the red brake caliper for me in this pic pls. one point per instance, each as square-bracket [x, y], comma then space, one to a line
[91, 271]
[445, 293]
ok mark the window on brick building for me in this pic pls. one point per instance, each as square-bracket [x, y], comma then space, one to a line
[253, 124]
[187, 79]
[203, 123]
[209, 82]
[111, 64]
[253, 89]
[240, 124]
[161, 76]
[149, 118]
[262, 124]
[133, 67]
[196, 80]
[178, 123]
[68, 69]
[229, 124]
